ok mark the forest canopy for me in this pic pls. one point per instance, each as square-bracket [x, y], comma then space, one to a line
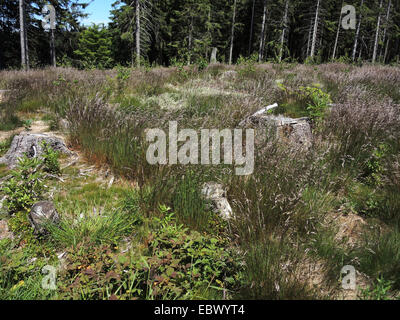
[166, 32]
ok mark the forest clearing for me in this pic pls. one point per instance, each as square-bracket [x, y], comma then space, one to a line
[200, 150]
[129, 229]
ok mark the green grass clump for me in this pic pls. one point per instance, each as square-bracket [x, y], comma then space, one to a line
[265, 278]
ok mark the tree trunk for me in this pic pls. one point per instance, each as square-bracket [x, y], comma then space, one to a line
[23, 36]
[309, 39]
[386, 50]
[285, 21]
[252, 26]
[337, 36]
[52, 48]
[232, 32]
[357, 32]
[138, 51]
[262, 40]
[315, 31]
[386, 26]
[378, 24]
[190, 40]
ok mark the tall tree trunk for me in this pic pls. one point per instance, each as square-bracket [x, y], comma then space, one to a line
[337, 35]
[252, 26]
[285, 22]
[262, 39]
[190, 40]
[52, 48]
[209, 34]
[23, 35]
[309, 39]
[376, 43]
[386, 50]
[232, 31]
[138, 49]
[357, 32]
[315, 30]
[385, 29]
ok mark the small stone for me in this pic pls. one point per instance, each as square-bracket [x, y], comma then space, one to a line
[41, 214]
[217, 195]
[64, 125]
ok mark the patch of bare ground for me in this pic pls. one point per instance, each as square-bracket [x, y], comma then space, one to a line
[79, 161]
[38, 126]
[350, 230]
[313, 274]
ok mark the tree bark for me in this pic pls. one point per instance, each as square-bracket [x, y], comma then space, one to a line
[52, 48]
[232, 31]
[23, 36]
[285, 21]
[190, 40]
[262, 40]
[309, 38]
[138, 49]
[252, 26]
[357, 32]
[376, 43]
[315, 31]
[385, 29]
[337, 35]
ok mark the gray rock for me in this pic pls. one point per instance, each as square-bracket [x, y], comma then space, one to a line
[217, 195]
[41, 214]
[4, 231]
[295, 132]
[31, 144]
[64, 125]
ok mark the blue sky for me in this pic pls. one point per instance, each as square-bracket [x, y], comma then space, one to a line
[99, 11]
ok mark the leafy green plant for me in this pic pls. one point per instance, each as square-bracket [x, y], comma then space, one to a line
[374, 165]
[201, 63]
[26, 185]
[123, 75]
[247, 65]
[186, 264]
[380, 291]
[27, 124]
[317, 101]
[50, 160]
